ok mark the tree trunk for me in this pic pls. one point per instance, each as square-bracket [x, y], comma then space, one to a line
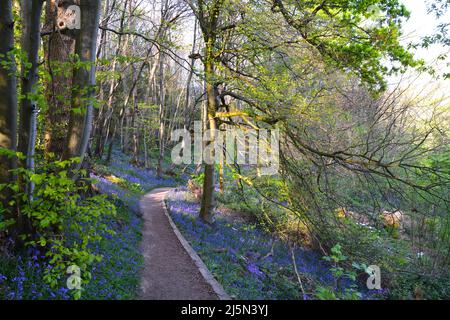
[111, 141]
[57, 51]
[80, 123]
[187, 100]
[105, 121]
[8, 96]
[208, 184]
[31, 37]
[134, 126]
[144, 140]
[162, 101]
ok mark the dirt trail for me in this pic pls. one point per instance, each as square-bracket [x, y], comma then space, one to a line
[169, 273]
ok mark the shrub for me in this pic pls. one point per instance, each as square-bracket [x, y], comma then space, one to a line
[339, 291]
[60, 218]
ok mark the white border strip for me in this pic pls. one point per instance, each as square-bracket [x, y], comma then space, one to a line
[209, 278]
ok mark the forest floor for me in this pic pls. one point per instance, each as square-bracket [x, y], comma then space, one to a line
[143, 258]
[252, 263]
[247, 261]
[169, 272]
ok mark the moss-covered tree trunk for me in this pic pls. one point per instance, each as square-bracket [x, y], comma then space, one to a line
[208, 15]
[211, 107]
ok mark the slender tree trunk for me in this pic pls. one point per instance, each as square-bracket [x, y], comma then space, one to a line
[135, 126]
[105, 122]
[111, 141]
[221, 177]
[125, 115]
[162, 101]
[187, 100]
[133, 132]
[144, 140]
[31, 37]
[8, 96]
[151, 78]
[173, 122]
[108, 9]
[80, 123]
[98, 128]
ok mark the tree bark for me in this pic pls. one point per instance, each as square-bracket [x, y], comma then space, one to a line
[58, 48]
[31, 20]
[187, 100]
[106, 120]
[208, 15]
[80, 123]
[162, 101]
[208, 183]
[8, 96]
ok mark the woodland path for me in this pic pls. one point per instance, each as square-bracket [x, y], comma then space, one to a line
[169, 272]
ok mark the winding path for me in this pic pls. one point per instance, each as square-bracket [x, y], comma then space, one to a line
[169, 272]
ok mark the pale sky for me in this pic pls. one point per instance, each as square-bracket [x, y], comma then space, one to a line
[421, 24]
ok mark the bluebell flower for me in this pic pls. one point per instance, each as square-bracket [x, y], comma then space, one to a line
[253, 269]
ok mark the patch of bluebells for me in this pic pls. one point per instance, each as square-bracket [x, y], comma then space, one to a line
[116, 276]
[114, 190]
[146, 178]
[21, 278]
[238, 255]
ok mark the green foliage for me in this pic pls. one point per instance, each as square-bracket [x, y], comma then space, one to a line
[198, 179]
[337, 258]
[353, 35]
[101, 169]
[415, 286]
[4, 223]
[60, 218]
[115, 277]
[8, 61]
[133, 187]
